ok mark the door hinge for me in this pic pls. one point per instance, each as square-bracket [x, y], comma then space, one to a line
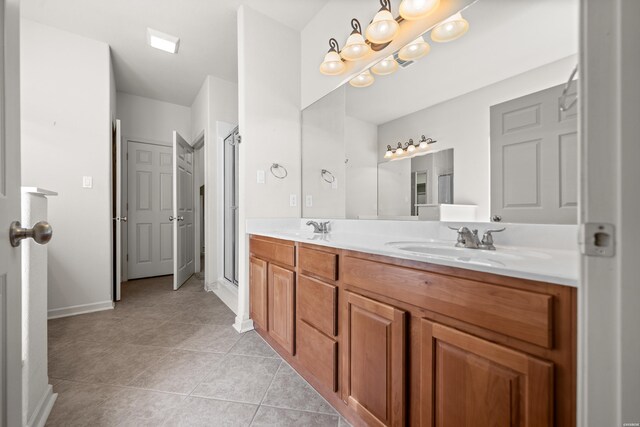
[238, 139]
[598, 239]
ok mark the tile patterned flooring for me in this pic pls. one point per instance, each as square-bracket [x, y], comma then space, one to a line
[165, 358]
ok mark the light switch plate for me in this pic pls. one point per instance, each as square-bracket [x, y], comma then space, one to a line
[260, 177]
[308, 201]
[293, 200]
[87, 182]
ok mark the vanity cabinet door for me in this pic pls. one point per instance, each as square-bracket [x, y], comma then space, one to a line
[374, 360]
[281, 296]
[258, 292]
[466, 380]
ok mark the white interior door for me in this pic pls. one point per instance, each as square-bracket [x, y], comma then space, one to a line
[534, 159]
[150, 208]
[183, 229]
[119, 218]
[10, 259]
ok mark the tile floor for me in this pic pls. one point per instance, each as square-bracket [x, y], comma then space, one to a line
[165, 358]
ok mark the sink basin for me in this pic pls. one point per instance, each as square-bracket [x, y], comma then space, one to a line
[496, 258]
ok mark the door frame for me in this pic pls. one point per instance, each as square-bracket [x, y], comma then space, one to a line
[198, 207]
[608, 318]
[124, 194]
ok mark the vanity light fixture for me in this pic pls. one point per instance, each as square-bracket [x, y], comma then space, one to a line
[387, 66]
[332, 64]
[399, 151]
[356, 47]
[162, 41]
[383, 28]
[450, 29]
[389, 152]
[417, 9]
[424, 142]
[363, 79]
[414, 50]
[410, 147]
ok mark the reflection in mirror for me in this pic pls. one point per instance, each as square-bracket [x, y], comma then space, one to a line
[492, 96]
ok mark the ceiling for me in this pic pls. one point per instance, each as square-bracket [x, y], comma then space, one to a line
[505, 38]
[207, 30]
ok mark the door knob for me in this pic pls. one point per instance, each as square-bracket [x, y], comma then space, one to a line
[41, 233]
[180, 218]
[123, 219]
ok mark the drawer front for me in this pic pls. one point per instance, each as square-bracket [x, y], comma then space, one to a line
[323, 264]
[280, 251]
[516, 313]
[319, 354]
[318, 304]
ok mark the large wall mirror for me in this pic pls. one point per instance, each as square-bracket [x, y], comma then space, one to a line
[486, 125]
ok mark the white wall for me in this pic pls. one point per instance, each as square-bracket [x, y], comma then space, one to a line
[269, 116]
[462, 123]
[333, 20]
[148, 119]
[66, 134]
[361, 180]
[214, 113]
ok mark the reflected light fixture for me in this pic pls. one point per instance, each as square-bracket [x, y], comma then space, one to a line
[162, 41]
[424, 142]
[414, 50]
[383, 28]
[389, 152]
[410, 147]
[332, 64]
[355, 48]
[363, 79]
[450, 29]
[386, 66]
[417, 9]
[399, 150]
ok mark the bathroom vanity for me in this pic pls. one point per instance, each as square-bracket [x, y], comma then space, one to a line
[390, 339]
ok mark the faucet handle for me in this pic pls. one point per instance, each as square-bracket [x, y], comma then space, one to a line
[487, 238]
[495, 230]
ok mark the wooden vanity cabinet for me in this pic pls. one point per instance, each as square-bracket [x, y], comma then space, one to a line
[258, 292]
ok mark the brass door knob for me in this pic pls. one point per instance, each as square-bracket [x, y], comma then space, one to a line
[41, 233]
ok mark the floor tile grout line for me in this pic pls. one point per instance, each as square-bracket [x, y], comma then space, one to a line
[266, 391]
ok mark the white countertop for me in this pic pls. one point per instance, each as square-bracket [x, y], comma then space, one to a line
[552, 265]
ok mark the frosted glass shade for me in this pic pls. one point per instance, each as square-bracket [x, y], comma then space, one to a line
[386, 66]
[383, 28]
[363, 79]
[450, 29]
[414, 50]
[332, 64]
[417, 9]
[355, 48]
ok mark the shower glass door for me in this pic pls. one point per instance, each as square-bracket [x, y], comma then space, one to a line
[231, 207]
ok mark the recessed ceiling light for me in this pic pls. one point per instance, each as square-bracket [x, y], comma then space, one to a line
[162, 41]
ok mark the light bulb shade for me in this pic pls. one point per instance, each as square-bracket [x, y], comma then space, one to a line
[414, 50]
[411, 148]
[424, 145]
[332, 64]
[363, 79]
[388, 153]
[383, 28]
[355, 48]
[452, 28]
[386, 66]
[417, 9]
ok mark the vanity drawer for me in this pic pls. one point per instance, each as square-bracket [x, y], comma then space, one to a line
[280, 251]
[322, 264]
[318, 304]
[319, 354]
[520, 314]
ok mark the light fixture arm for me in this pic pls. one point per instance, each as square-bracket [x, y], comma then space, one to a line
[355, 24]
[333, 45]
[386, 4]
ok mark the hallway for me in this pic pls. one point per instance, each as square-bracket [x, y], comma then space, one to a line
[172, 358]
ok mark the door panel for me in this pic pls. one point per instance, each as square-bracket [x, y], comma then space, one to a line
[374, 363]
[281, 303]
[534, 161]
[466, 380]
[184, 263]
[149, 210]
[118, 211]
[258, 292]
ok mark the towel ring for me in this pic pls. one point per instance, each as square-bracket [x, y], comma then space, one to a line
[565, 92]
[277, 166]
[325, 172]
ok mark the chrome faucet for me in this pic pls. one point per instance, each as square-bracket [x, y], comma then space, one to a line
[321, 227]
[469, 238]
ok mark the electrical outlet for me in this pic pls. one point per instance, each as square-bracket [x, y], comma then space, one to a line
[308, 201]
[87, 182]
[293, 200]
[260, 177]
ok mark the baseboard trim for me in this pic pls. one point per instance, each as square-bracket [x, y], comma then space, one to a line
[79, 309]
[243, 326]
[40, 415]
[227, 292]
